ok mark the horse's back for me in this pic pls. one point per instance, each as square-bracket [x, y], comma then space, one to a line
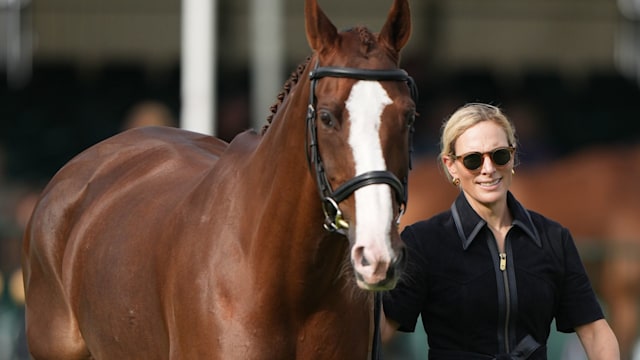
[90, 233]
[138, 169]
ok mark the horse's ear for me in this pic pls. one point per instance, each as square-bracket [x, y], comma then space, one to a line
[320, 30]
[397, 29]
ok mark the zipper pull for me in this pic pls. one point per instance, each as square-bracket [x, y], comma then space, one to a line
[503, 261]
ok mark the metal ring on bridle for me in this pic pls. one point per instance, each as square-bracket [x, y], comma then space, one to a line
[333, 216]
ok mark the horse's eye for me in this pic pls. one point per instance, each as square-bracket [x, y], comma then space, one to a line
[326, 118]
[411, 118]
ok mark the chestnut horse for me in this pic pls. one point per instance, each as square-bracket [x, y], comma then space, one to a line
[595, 193]
[160, 243]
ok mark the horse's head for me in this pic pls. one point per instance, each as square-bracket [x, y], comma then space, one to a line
[360, 119]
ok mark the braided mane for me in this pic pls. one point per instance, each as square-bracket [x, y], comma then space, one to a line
[286, 88]
[367, 40]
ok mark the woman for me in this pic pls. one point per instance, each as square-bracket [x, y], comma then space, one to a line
[489, 276]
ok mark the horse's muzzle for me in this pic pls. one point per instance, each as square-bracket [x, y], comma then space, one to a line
[380, 283]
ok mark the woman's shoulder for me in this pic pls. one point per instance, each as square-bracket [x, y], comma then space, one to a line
[554, 236]
[424, 232]
[544, 223]
[436, 221]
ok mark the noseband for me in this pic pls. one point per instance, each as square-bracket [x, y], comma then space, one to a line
[331, 199]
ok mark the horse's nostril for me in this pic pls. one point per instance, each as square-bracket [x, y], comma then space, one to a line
[364, 261]
[359, 257]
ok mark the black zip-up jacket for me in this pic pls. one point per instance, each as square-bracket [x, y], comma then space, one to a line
[479, 304]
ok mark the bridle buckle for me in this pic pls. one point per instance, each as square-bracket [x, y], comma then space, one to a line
[333, 220]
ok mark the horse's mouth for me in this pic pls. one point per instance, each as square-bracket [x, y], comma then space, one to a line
[388, 283]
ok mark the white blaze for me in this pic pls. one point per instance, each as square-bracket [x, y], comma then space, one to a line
[374, 211]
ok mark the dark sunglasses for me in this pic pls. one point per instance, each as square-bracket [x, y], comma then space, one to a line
[473, 160]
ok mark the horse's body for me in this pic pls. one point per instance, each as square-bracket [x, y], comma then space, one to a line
[596, 194]
[160, 243]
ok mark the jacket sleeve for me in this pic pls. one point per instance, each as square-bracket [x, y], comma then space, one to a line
[577, 304]
[403, 304]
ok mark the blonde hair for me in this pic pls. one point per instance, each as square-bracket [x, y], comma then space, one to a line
[466, 117]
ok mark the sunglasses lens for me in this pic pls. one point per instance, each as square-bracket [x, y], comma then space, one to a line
[501, 156]
[472, 161]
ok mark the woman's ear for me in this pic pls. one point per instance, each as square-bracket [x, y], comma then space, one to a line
[449, 163]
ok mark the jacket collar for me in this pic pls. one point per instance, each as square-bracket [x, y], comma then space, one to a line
[469, 223]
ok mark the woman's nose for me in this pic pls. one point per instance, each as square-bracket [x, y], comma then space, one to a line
[487, 164]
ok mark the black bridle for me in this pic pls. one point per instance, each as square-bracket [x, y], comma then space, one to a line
[330, 198]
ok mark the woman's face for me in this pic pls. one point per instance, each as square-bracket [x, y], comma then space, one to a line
[488, 184]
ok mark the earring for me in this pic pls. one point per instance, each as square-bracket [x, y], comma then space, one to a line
[456, 182]
[513, 171]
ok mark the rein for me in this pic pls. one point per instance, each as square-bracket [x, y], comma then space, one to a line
[331, 199]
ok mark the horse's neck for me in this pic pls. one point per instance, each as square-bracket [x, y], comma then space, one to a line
[274, 188]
